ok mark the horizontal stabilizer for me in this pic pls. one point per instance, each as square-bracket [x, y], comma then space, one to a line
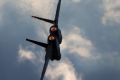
[38, 43]
[43, 19]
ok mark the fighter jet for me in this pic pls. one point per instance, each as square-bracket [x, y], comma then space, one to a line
[52, 47]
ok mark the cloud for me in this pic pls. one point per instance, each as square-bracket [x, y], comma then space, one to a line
[76, 46]
[31, 54]
[111, 11]
[43, 10]
[64, 70]
[74, 42]
[76, 1]
[25, 54]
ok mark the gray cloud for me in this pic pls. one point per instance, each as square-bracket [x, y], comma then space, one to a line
[14, 31]
[112, 12]
[86, 15]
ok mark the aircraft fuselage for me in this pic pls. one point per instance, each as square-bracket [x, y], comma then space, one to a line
[54, 41]
[52, 47]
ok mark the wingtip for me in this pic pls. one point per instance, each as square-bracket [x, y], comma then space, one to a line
[26, 39]
[32, 16]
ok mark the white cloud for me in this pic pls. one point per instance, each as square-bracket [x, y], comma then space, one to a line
[63, 71]
[111, 11]
[76, 1]
[35, 57]
[25, 54]
[43, 8]
[74, 42]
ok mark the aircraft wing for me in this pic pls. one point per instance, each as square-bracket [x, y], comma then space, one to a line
[44, 68]
[38, 43]
[57, 12]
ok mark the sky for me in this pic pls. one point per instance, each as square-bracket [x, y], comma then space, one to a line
[90, 48]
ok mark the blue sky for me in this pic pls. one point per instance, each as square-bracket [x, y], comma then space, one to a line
[90, 48]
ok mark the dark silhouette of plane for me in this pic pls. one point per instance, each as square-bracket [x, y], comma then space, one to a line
[52, 48]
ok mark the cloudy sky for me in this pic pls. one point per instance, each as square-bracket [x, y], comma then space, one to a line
[90, 48]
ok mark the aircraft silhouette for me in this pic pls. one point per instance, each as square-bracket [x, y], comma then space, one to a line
[52, 48]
